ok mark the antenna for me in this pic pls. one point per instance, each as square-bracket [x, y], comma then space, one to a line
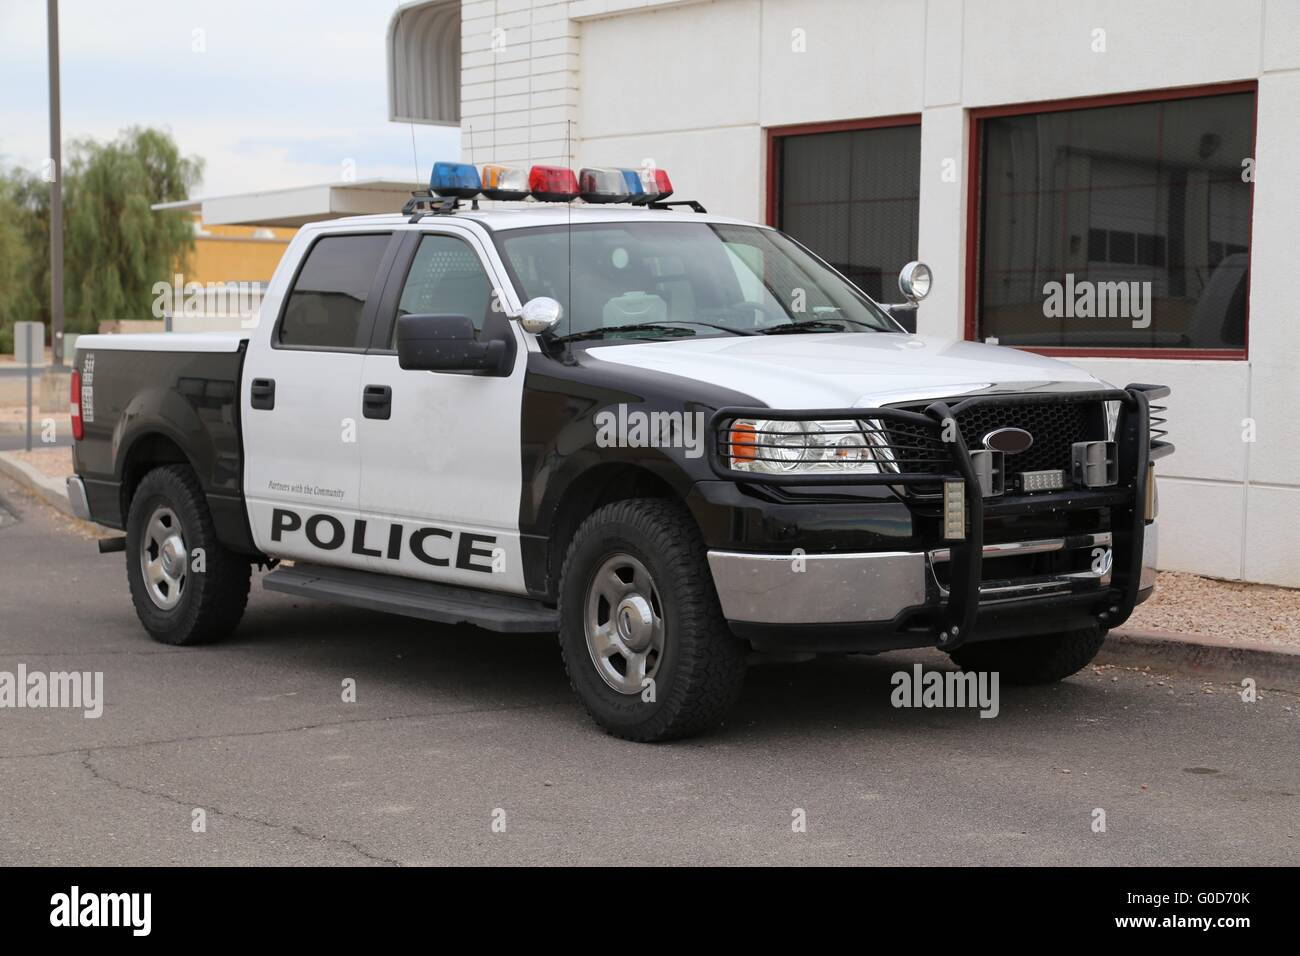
[415, 158]
[568, 161]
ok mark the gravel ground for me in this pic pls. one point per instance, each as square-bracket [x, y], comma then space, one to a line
[1186, 603]
[50, 462]
[1183, 603]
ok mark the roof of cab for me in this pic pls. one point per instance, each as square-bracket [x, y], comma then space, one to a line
[519, 215]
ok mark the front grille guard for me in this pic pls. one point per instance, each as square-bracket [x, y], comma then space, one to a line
[1138, 446]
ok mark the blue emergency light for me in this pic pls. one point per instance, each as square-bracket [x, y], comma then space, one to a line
[455, 180]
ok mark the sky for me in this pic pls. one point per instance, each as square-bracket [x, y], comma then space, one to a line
[270, 93]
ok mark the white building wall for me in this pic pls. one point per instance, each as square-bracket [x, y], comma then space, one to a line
[693, 85]
[519, 81]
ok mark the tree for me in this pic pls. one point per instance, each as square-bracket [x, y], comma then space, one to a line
[23, 227]
[115, 246]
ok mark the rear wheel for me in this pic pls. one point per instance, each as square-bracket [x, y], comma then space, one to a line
[1033, 660]
[643, 639]
[186, 587]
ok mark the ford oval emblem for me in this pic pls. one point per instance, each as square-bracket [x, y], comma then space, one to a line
[1010, 441]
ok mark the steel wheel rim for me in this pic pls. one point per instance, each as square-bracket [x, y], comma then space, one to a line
[164, 559]
[623, 623]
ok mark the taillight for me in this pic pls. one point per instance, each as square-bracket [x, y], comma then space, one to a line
[74, 407]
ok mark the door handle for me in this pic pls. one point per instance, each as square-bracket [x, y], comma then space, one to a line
[377, 402]
[262, 394]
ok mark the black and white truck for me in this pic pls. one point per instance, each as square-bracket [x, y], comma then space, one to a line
[670, 437]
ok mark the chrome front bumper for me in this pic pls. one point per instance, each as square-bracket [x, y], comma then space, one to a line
[77, 498]
[870, 587]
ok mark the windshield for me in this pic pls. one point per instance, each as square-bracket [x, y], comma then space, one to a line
[682, 279]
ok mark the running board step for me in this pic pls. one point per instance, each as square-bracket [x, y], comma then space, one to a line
[423, 599]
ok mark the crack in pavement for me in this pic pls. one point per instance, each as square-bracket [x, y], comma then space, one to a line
[107, 748]
[101, 776]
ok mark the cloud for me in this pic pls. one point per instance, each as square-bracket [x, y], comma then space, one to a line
[269, 94]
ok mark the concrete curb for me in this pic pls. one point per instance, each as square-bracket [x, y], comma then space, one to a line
[1271, 666]
[50, 490]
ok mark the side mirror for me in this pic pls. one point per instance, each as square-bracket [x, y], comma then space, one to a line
[540, 314]
[914, 281]
[446, 343]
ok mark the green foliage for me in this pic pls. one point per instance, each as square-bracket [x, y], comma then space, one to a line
[115, 247]
[22, 264]
[13, 260]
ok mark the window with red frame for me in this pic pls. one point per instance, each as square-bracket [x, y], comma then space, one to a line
[1116, 226]
[852, 196]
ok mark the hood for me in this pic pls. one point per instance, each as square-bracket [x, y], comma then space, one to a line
[848, 370]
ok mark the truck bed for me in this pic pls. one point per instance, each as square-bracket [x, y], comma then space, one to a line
[161, 398]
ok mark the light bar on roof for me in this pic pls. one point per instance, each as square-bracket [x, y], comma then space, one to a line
[663, 185]
[595, 184]
[455, 180]
[604, 184]
[552, 183]
[505, 182]
[641, 185]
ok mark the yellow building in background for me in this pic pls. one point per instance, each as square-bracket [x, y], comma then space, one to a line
[236, 253]
[222, 285]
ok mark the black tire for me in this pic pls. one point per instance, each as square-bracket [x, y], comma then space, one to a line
[701, 668]
[1033, 660]
[211, 601]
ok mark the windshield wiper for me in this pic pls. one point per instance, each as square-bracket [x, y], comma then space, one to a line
[816, 325]
[669, 325]
[712, 325]
[639, 327]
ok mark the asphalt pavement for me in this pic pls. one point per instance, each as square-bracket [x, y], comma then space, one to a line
[454, 730]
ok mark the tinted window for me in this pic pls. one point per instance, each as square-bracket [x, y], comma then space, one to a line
[330, 292]
[853, 198]
[1118, 226]
[446, 278]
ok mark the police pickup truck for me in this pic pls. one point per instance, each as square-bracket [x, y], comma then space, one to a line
[670, 437]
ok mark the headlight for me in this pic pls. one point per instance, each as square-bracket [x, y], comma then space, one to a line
[809, 447]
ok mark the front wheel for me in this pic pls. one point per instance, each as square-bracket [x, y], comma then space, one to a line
[643, 639]
[187, 588]
[1033, 660]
